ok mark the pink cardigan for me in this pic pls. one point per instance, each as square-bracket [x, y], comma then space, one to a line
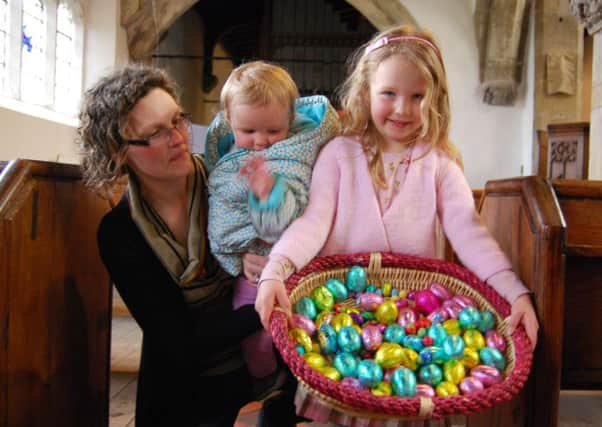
[344, 215]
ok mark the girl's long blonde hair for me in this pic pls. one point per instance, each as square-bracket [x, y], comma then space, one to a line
[419, 47]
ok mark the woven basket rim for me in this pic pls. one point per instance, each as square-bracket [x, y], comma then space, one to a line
[362, 401]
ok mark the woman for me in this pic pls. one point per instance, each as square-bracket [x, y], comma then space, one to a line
[154, 245]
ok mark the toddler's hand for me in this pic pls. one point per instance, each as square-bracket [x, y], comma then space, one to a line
[270, 293]
[259, 177]
[523, 312]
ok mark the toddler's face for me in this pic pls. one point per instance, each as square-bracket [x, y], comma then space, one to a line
[257, 127]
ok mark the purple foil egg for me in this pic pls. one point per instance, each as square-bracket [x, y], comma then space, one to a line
[303, 322]
[426, 301]
[406, 316]
[357, 318]
[401, 303]
[369, 301]
[411, 294]
[452, 307]
[372, 338]
[470, 385]
[495, 340]
[488, 375]
[424, 390]
[464, 301]
[440, 291]
[439, 315]
[352, 382]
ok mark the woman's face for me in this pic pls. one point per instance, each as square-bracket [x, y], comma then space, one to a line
[158, 162]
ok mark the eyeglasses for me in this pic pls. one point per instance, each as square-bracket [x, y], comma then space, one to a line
[181, 124]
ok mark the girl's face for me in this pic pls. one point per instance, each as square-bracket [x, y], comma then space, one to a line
[163, 160]
[396, 92]
[257, 127]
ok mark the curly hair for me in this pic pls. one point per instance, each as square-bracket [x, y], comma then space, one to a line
[259, 83]
[419, 47]
[103, 116]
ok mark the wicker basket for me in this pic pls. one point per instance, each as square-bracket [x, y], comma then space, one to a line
[409, 273]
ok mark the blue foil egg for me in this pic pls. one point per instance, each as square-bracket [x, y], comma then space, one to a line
[469, 317]
[492, 357]
[430, 374]
[327, 338]
[487, 321]
[438, 333]
[346, 363]
[356, 279]
[433, 355]
[369, 373]
[414, 342]
[337, 289]
[394, 333]
[403, 381]
[306, 307]
[349, 339]
[453, 346]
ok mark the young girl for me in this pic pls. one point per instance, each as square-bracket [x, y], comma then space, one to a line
[393, 173]
[260, 152]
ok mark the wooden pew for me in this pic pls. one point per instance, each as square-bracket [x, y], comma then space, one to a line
[55, 299]
[581, 204]
[523, 215]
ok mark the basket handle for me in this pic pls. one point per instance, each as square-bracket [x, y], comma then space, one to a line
[374, 265]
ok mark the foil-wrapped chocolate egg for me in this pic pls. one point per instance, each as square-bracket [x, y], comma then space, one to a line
[488, 375]
[492, 357]
[322, 298]
[368, 301]
[430, 374]
[348, 339]
[464, 301]
[453, 346]
[394, 333]
[473, 338]
[356, 279]
[425, 390]
[301, 337]
[440, 291]
[471, 357]
[426, 301]
[306, 307]
[346, 363]
[495, 340]
[315, 360]
[414, 342]
[403, 381]
[369, 373]
[437, 333]
[322, 318]
[386, 289]
[432, 355]
[438, 315]
[337, 289]
[382, 389]
[327, 337]
[340, 320]
[487, 321]
[452, 308]
[389, 355]
[410, 359]
[406, 317]
[446, 388]
[471, 385]
[452, 327]
[303, 322]
[469, 317]
[454, 371]
[387, 312]
[371, 337]
[352, 382]
[330, 372]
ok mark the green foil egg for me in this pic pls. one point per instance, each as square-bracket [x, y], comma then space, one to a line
[322, 298]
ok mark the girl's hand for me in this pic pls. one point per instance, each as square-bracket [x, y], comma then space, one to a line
[270, 293]
[523, 312]
[259, 178]
[252, 265]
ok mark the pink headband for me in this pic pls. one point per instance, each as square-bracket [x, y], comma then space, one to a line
[383, 41]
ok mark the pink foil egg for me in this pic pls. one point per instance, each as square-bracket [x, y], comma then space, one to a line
[464, 301]
[440, 291]
[372, 338]
[401, 303]
[369, 301]
[303, 322]
[495, 340]
[424, 390]
[406, 316]
[488, 375]
[426, 301]
[452, 307]
[471, 385]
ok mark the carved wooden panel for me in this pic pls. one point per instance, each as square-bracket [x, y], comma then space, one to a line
[564, 151]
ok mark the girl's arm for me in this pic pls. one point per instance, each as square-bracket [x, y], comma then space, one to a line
[304, 239]
[477, 249]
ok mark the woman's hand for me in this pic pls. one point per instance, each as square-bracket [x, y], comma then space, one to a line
[253, 265]
[271, 293]
[523, 312]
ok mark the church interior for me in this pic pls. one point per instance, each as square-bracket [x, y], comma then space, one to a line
[525, 81]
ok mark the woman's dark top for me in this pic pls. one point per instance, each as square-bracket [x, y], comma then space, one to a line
[180, 341]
